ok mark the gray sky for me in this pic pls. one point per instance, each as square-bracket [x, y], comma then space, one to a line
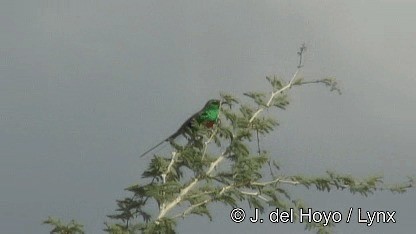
[86, 86]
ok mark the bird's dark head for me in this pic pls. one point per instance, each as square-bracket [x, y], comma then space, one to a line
[213, 102]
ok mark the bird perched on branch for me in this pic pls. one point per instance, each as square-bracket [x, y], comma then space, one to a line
[207, 117]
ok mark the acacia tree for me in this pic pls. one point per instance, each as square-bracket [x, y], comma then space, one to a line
[226, 165]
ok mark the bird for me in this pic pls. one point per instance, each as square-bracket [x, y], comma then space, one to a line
[207, 116]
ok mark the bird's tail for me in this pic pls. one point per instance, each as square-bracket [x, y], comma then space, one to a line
[154, 147]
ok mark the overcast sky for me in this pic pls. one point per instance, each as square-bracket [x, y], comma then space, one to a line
[86, 86]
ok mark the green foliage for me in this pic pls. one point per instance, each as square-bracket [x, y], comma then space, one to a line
[61, 228]
[232, 175]
[219, 166]
[179, 194]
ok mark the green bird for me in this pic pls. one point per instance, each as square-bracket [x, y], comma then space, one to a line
[207, 116]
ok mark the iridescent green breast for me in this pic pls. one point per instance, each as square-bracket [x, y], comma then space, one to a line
[209, 114]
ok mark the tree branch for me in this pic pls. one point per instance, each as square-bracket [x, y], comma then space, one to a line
[273, 95]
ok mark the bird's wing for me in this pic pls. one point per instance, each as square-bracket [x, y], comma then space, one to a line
[181, 130]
